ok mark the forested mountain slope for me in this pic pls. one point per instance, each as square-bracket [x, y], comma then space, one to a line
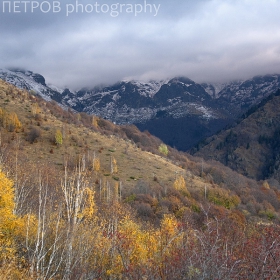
[252, 146]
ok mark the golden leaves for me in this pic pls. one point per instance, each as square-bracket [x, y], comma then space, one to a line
[10, 225]
[58, 137]
[180, 185]
[9, 121]
[96, 164]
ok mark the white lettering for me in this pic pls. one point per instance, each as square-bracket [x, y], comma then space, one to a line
[69, 9]
[156, 9]
[34, 5]
[146, 6]
[56, 7]
[96, 5]
[79, 5]
[46, 6]
[138, 9]
[48, 9]
[121, 7]
[16, 6]
[25, 5]
[129, 8]
[106, 10]
[89, 10]
[114, 10]
[3, 6]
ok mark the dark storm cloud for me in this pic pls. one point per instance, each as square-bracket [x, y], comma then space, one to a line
[204, 40]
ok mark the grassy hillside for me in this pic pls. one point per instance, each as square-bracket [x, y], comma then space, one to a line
[87, 139]
[82, 198]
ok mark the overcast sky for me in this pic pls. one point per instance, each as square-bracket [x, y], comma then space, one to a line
[101, 42]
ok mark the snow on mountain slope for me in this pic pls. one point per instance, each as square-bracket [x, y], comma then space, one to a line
[180, 101]
[148, 89]
[55, 88]
[240, 96]
[136, 102]
[215, 89]
[29, 81]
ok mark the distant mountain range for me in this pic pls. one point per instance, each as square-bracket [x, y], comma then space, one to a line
[179, 111]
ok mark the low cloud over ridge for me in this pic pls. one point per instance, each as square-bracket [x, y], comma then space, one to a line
[204, 40]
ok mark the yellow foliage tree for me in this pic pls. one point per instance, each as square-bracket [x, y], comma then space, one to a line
[95, 121]
[9, 120]
[2, 114]
[10, 225]
[180, 185]
[89, 205]
[15, 121]
[114, 166]
[58, 137]
[116, 191]
[169, 238]
[35, 109]
[136, 247]
[266, 185]
[96, 164]
[223, 197]
[169, 229]
[163, 149]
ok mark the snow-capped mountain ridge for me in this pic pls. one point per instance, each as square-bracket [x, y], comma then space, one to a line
[137, 102]
[29, 81]
[197, 110]
[148, 89]
[238, 97]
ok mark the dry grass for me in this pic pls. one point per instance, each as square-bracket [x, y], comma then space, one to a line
[133, 163]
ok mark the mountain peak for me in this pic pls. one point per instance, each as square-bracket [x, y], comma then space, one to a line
[30, 81]
[182, 79]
